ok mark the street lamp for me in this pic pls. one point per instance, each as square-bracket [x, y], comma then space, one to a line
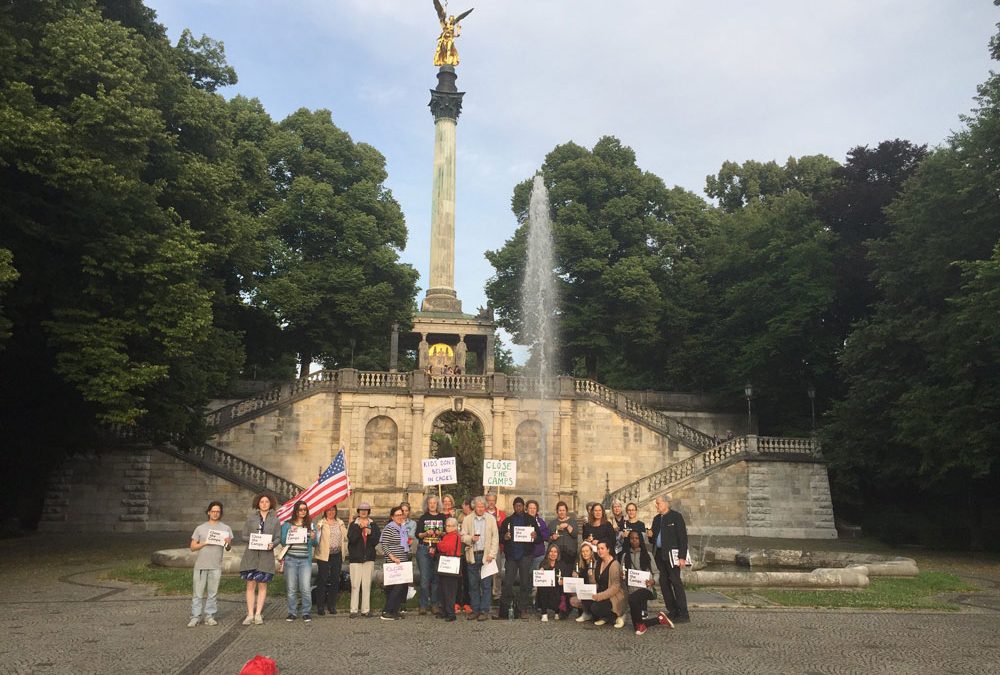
[748, 391]
[812, 404]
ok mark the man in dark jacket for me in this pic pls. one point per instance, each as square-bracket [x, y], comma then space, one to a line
[670, 550]
[519, 558]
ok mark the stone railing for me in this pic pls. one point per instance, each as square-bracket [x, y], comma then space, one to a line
[236, 470]
[236, 412]
[383, 380]
[742, 447]
[596, 391]
[458, 383]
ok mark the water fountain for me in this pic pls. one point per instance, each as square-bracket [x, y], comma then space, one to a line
[538, 306]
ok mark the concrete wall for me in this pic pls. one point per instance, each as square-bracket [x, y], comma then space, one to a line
[118, 490]
[760, 498]
[587, 446]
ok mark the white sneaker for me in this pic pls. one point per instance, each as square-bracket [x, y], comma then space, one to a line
[545, 617]
[210, 621]
[620, 622]
[249, 620]
[258, 620]
[600, 622]
[583, 617]
[194, 621]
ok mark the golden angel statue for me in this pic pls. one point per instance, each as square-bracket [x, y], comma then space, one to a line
[445, 54]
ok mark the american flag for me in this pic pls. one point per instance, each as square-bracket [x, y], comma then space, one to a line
[331, 488]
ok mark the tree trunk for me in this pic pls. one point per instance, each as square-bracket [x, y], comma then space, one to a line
[304, 363]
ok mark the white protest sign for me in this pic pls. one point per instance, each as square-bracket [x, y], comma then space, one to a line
[499, 472]
[449, 564]
[523, 534]
[399, 573]
[296, 535]
[543, 578]
[586, 591]
[259, 542]
[638, 578]
[489, 569]
[571, 584]
[216, 537]
[439, 471]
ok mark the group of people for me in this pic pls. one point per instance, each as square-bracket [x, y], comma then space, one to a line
[458, 553]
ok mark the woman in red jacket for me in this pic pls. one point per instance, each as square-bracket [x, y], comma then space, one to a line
[450, 545]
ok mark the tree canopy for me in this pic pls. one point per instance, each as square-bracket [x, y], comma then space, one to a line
[151, 227]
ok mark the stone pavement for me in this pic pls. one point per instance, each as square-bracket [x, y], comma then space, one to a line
[58, 616]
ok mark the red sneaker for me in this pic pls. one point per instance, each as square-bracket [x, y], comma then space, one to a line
[458, 609]
[640, 629]
[468, 609]
[665, 620]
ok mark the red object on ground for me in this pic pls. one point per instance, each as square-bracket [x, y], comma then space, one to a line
[260, 665]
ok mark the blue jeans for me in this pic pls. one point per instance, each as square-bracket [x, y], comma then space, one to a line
[206, 588]
[480, 589]
[298, 580]
[428, 578]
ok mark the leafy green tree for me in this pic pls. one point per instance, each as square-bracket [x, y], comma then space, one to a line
[619, 234]
[921, 411]
[738, 185]
[8, 275]
[337, 284]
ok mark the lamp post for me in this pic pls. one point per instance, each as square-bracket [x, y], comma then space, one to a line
[748, 391]
[812, 404]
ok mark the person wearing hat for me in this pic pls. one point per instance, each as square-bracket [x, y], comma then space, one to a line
[670, 551]
[519, 559]
[362, 536]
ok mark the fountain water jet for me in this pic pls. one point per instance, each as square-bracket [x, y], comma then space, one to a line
[538, 306]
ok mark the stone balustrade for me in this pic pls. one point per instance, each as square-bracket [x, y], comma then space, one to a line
[737, 448]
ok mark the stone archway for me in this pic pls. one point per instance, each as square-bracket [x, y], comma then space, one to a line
[381, 446]
[460, 435]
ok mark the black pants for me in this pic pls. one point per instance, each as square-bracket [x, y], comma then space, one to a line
[394, 597]
[462, 597]
[601, 609]
[516, 570]
[328, 582]
[638, 600]
[673, 590]
[548, 598]
[449, 588]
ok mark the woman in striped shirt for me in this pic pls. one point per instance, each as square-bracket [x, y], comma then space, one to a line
[298, 560]
[395, 544]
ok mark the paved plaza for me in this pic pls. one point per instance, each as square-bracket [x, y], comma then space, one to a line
[59, 616]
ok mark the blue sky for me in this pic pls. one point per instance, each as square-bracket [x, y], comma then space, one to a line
[686, 85]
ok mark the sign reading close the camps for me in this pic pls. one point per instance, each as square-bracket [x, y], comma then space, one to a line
[499, 472]
[439, 471]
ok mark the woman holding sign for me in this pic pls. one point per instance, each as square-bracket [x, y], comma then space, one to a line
[299, 538]
[585, 570]
[395, 543]
[550, 597]
[448, 565]
[637, 566]
[609, 601]
[208, 539]
[257, 566]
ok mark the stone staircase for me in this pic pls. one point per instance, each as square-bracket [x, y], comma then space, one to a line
[644, 490]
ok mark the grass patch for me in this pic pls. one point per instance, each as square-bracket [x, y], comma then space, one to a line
[174, 581]
[918, 592]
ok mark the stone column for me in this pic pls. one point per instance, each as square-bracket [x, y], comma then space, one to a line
[489, 366]
[394, 348]
[446, 104]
